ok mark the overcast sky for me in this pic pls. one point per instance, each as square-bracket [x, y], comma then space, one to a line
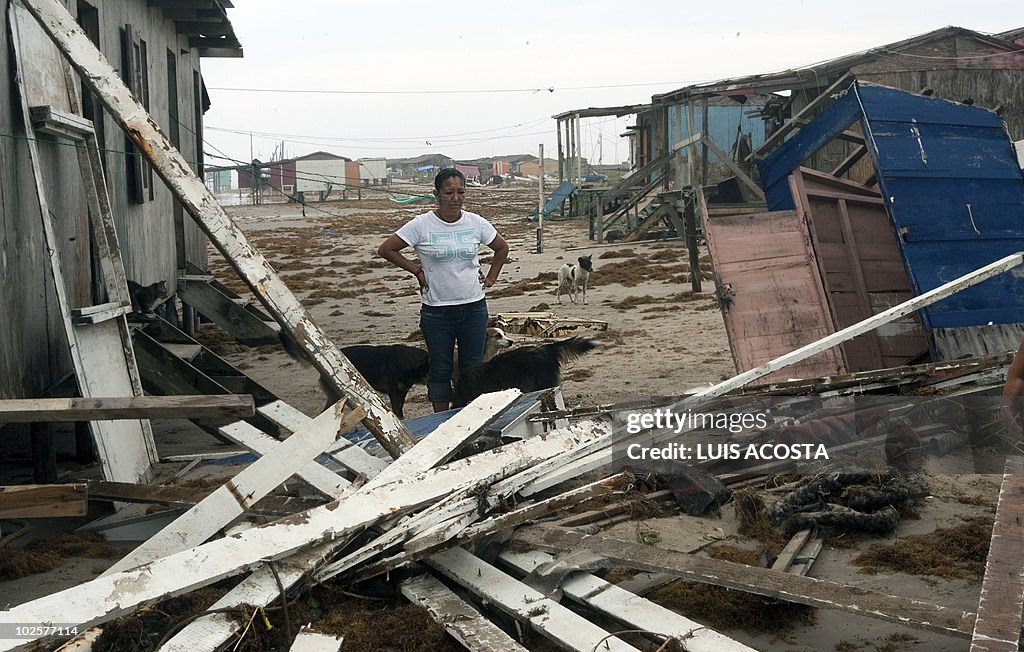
[369, 78]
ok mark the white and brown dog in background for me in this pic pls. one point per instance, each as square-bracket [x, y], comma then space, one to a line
[574, 276]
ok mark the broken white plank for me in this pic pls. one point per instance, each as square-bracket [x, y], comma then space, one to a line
[629, 608]
[251, 266]
[242, 491]
[28, 410]
[998, 626]
[431, 540]
[543, 614]
[459, 618]
[262, 586]
[441, 444]
[311, 641]
[315, 474]
[343, 451]
[453, 511]
[110, 596]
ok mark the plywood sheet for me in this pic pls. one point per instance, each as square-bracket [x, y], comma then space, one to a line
[775, 303]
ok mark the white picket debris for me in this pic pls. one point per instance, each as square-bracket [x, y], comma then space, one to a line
[261, 587]
[524, 603]
[311, 641]
[241, 492]
[635, 611]
[465, 624]
[315, 474]
[343, 451]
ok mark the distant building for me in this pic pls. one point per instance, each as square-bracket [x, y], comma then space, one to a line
[373, 171]
[471, 172]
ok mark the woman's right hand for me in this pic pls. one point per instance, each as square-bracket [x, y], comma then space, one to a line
[421, 277]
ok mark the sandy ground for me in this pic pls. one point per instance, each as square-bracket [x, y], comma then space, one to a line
[662, 340]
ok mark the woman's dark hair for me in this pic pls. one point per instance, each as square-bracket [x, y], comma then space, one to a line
[446, 174]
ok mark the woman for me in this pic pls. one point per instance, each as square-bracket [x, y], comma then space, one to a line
[447, 241]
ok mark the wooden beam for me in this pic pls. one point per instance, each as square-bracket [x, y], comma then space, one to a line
[686, 142]
[42, 500]
[761, 581]
[459, 618]
[26, 410]
[725, 158]
[518, 600]
[176, 496]
[1002, 590]
[241, 492]
[626, 607]
[846, 164]
[251, 266]
[780, 133]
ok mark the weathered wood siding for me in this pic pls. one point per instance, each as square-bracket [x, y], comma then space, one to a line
[775, 303]
[33, 351]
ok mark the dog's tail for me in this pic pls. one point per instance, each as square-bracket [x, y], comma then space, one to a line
[570, 349]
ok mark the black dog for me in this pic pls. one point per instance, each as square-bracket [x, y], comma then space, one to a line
[391, 369]
[528, 368]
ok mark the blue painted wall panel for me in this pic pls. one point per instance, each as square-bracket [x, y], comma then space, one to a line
[776, 167]
[955, 195]
[952, 186]
[722, 124]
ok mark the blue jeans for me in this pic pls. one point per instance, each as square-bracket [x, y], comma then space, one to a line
[442, 327]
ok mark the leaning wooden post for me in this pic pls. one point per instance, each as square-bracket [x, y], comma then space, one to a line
[190, 190]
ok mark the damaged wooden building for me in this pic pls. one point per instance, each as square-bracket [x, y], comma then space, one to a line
[359, 516]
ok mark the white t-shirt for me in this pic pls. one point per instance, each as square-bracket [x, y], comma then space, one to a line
[448, 253]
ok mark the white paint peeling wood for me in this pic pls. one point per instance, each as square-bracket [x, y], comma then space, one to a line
[439, 445]
[543, 614]
[248, 262]
[465, 624]
[241, 492]
[629, 608]
[311, 641]
[318, 476]
[343, 451]
[432, 539]
[261, 587]
[110, 596]
[453, 511]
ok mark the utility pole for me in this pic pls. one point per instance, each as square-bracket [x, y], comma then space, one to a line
[540, 201]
